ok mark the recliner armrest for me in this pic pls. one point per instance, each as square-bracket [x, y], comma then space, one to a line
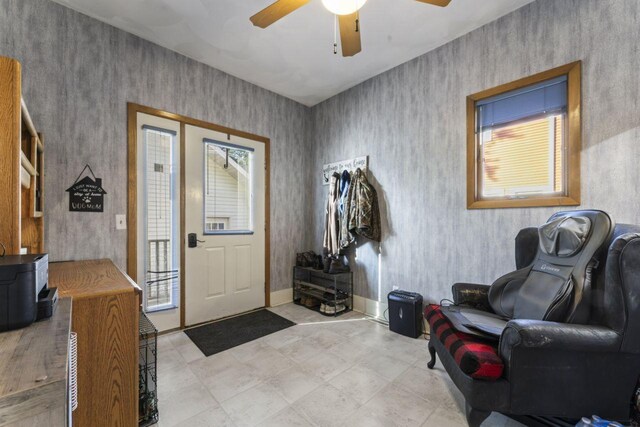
[472, 294]
[543, 335]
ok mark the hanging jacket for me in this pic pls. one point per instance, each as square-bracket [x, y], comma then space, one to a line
[345, 181]
[345, 236]
[364, 211]
[331, 225]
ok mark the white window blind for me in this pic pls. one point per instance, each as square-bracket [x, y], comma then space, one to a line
[162, 274]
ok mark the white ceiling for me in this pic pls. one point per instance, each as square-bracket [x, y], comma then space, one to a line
[294, 57]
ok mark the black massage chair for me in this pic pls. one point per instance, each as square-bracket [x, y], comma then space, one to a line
[566, 323]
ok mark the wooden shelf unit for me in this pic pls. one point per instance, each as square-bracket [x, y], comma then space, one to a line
[21, 167]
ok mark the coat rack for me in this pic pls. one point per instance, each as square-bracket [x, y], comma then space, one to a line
[349, 165]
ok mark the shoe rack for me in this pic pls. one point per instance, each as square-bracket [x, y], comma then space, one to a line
[323, 292]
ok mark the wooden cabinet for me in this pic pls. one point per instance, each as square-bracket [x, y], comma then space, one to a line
[21, 167]
[106, 307]
[34, 372]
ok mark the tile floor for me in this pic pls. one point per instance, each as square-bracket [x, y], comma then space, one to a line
[321, 372]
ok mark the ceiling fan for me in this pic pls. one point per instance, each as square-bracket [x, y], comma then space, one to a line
[346, 12]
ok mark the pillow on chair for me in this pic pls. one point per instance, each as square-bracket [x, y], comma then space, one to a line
[564, 237]
[476, 357]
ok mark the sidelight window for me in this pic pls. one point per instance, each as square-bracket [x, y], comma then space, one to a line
[162, 258]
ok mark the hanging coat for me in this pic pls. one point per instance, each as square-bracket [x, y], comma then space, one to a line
[364, 215]
[332, 226]
[345, 237]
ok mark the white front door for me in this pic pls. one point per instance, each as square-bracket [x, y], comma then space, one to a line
[225, 209]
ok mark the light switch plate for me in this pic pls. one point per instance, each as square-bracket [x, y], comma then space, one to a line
[121, 222]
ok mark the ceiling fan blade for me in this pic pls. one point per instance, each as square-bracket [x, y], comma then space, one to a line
[277, 10]
[350, 34]
[441, 3]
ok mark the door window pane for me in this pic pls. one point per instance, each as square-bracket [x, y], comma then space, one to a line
[216, 224]
[227, 188]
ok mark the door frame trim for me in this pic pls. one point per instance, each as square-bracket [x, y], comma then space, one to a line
[132, 191]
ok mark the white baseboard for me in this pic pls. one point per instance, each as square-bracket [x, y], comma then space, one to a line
[283, 296]
[369, 307]
[375, 309]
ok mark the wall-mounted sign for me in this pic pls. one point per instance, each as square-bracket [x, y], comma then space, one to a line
[349, 165]
[86, 194]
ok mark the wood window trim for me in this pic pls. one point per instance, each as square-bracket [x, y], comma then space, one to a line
[574, 141]
[132, 192]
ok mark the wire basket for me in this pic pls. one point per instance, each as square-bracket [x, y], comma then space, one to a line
[148, 400]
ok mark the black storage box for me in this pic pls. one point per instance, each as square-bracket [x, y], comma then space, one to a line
[22, 278]
[47, 300]
[405, 313]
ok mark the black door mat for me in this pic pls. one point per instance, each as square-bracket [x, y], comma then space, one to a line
[225, 334]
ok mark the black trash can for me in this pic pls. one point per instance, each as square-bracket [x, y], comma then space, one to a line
[405, 313]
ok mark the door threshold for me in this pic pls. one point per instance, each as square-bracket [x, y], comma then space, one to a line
[168, 331]
[222, 318]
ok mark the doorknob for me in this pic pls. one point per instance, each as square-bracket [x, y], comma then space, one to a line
[192, 240]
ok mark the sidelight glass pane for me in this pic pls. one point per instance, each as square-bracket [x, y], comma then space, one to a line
[227, 188]
[162, 214]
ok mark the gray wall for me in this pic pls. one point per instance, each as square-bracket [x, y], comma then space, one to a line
[411, 122]
[78, 75]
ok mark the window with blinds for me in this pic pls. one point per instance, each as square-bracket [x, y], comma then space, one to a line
[525, 149]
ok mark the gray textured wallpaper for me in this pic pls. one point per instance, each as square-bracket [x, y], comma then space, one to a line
[78, 75]
[411, 122]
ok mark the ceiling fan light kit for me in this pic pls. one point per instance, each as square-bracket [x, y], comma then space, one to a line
[345, 10]
[343, 7]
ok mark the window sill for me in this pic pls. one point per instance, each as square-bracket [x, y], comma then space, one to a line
[228, 233]
[160, 308]
[524, 203]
